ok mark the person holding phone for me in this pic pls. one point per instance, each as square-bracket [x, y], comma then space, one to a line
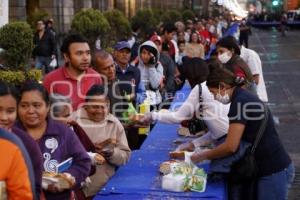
[152, 73]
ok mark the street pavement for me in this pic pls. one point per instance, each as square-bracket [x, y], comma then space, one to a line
[281, 67]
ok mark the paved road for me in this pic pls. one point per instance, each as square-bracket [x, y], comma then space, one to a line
[281, 66]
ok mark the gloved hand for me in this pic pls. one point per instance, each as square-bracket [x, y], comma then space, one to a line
[188, 146]
[147, 119]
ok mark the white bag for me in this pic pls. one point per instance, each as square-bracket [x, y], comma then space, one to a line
[53, 63]
[154, 98]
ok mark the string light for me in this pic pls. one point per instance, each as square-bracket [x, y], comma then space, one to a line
[233, 6]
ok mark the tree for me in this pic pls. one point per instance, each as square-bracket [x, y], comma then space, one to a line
[171, 16]
[145, 19]
[158, 13]
[16, 40]
[188, 14]
[92, 24]
[120, 26]
[35, 17]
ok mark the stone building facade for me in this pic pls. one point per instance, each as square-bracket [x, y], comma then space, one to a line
[62, 11]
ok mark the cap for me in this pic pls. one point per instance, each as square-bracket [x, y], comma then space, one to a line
[155, 38]
[122, 45]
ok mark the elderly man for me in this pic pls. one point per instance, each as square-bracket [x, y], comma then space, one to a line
[105, 65]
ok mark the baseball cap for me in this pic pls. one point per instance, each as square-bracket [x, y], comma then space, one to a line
[122, 45]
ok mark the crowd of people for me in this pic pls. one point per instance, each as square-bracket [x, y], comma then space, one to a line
[85, 109]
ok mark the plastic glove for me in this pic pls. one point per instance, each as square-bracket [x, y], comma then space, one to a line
[147, 119]
[197, 157]
[188, 146]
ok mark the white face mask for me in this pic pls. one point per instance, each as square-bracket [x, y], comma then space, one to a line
[223, 99]
[225, 57]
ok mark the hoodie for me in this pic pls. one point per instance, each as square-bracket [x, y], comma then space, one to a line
[152, 74]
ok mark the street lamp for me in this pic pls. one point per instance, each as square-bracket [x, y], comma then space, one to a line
[275, 2]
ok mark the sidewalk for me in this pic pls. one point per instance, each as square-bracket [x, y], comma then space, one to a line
[281, 66]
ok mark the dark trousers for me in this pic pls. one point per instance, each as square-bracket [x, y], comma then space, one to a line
[244, 40]
[243, 191]
[132, 134]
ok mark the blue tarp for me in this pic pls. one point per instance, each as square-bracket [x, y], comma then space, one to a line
[140, 178]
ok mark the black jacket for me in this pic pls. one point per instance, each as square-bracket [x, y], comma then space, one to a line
[126, 78]
[46, 46]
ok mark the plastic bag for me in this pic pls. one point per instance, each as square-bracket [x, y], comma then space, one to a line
[128, 113]
[53, 63]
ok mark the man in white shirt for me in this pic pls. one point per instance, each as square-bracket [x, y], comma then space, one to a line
[254, 63]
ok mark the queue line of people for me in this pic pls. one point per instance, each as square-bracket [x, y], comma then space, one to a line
[93, 133]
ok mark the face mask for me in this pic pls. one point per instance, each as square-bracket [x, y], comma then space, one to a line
[225, 57]
[223, 99]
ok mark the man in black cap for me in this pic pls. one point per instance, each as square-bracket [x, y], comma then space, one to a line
[129, 82]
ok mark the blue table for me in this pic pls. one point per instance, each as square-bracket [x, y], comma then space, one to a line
[140, 178]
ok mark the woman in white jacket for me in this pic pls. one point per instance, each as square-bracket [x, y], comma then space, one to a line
[214, 114]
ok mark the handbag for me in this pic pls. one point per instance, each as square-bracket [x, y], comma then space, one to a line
[196, 125]
[245, 169]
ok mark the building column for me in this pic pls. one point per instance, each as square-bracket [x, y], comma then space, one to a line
[4, 7]
[205, 5]
[67, 12]
[110, 4]
[17, 10]
[82, 4]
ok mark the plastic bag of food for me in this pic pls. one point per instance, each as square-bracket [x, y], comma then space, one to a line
[131, 111]
[174, 182]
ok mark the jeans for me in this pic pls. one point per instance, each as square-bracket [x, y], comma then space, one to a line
[276, 186]
[273, 187]
[42, 62]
